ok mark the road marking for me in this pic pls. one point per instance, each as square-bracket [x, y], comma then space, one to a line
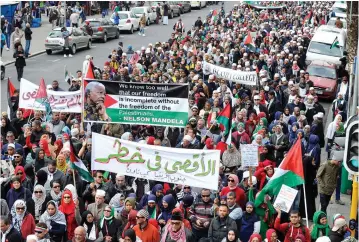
[56, 60]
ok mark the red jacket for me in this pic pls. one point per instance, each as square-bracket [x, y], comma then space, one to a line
[241, 197]
[27, 226]
[148, 234]
[290, 231]
[71, 224]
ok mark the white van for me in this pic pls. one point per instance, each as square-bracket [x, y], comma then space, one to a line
[319, 46]
[198, 4]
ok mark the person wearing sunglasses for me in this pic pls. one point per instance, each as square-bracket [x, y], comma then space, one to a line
[175, 229]
[39, 198]
[88, 195]
[109, 225]
[22, 220]
[144, 230]
[233, 187]
[69, 208]
[42, 232]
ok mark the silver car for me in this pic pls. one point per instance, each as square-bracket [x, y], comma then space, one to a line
[78, 39]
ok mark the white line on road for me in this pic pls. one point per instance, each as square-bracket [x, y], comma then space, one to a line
[56, 60]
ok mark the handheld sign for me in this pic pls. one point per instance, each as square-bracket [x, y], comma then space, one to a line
[249, 154]
[285, 198]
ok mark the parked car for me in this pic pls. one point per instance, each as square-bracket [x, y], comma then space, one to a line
[174, 9]
[2, 70]
[324, 76]
[147, 10]
[339, 9]
[78, 39]
[103, 29]
[185, 6]
[320, 46]
[332, 21]
[128, 21]
[198, 4]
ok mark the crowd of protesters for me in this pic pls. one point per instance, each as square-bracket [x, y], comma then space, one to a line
[44, 199]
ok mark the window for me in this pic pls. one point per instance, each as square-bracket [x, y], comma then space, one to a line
[95, 23]
[55, 34]
[138, 10]
[322, 71]
[123, 16]
[324, 49]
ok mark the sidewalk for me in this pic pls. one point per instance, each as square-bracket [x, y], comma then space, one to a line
[38, 40]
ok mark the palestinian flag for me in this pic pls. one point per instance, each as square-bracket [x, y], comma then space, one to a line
[335, 43]
[77, 164]
[42, 99]
[308, 19]
[224, 119]
[10, 92]
[248, 41]
[290, 172]
[90, 73]
[214, 16]
[67, 76]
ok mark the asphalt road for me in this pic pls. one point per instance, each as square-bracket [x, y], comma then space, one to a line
[51, 67]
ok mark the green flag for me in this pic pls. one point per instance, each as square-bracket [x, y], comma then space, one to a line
[335, 43]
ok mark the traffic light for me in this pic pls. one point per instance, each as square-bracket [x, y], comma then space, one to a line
[350, 159]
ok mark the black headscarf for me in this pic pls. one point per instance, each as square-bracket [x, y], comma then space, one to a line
[84, 221]
[236, 238]
[41, 177]
[131, 234]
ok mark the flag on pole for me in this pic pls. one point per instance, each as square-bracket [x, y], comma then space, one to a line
[77, 164]
[224, 119]
[290, 172]
[67, 76]
[308, 18]
[42, 99]
[335, 43]
[90, 73]
[10, 92]
[248, 41]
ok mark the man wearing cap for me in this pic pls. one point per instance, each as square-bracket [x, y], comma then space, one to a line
[144, 230]
[10, 152]
[176, 226]
[10, 138]
[98, 206]
[259, 107]
[338, 231]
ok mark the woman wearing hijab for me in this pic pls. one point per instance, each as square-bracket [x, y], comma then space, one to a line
[45, 146]
[320, 226]
[313, 150]
[231, 158]
[152, 208]
[55, 221]
[157, 190]
[21, 219]
[109, 225]
[168, 204]
[58, 147]
[130, 204]
[41, 177]
[92, 232]
[17, 191]
[251, 124]
[250, 223]
[68, 208]
[75, 197]
[55, 192]
[25, 182]
[271, 236]
[233, 187]
[293, 132]
[40, 159]
[117, 202]
[232, 236]
[209, 144]
[39, 198]
[262, 124]
[131, 221]
[256, 238]
[264, 173]
[127, 136]
[332, 127]
[61, 164]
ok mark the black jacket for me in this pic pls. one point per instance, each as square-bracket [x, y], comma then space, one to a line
[28, 33]
[13, 235]
[219, 229]
[335, 236]
[20, 59]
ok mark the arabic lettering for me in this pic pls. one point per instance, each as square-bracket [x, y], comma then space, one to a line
[56, 101]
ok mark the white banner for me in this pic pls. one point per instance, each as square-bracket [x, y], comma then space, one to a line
[198, 168]
[69, 102]
[242, 77]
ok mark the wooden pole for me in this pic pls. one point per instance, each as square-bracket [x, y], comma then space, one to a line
[305, 206]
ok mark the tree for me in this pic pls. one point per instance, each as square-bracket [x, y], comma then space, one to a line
[352, 28]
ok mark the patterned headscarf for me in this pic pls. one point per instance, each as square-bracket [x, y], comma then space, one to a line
[18, 218]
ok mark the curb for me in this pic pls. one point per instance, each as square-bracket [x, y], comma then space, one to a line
[32, 55]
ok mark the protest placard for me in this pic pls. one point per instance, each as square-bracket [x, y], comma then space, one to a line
[285, 198]
[136, 103]
[243, 77]
[249, 155]
[60, 101]
[190, 167]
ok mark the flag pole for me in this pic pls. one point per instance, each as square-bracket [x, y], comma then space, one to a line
[305, 206]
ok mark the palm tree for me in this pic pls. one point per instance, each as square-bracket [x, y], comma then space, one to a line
[352, 28]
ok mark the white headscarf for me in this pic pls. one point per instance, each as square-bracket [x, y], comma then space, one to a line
[58, 216]
[38, 201]
[18, 218]
[72, 189]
